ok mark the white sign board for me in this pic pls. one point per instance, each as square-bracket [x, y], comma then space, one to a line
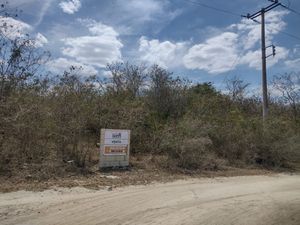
[116, 142]
[116, 137]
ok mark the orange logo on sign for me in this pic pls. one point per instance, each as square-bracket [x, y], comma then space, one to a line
[115, 150]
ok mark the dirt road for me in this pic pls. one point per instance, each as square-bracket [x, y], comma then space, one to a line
[237, 200]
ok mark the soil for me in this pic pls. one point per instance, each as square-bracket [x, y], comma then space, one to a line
[268, 199]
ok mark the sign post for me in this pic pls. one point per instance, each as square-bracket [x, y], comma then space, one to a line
[114, 148]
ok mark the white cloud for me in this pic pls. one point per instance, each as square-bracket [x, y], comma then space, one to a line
[236, 46]
[97, 28]
[97, 49]
[145, 10]
[44, 9]
[40, 40]
[70, 6]
[107, 74]
[130, 16]
[62, 64]
[293, 64]
[250, 32]
[165, 54]
[12, 28]
[253, 58]
[215, 55]
[296, 49]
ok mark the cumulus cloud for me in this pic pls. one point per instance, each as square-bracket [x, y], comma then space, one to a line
[253, 58]
[214, 55]
[97, 49]
[165, 54]
[249, 31]
[71, 6]
[98, 28]
[236, 46]
[62, 64]
[12, 28]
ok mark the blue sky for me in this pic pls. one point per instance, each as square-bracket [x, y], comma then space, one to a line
[192, 41]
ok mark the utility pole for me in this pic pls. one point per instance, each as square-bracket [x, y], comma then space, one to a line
[261, 13]
[264, 66]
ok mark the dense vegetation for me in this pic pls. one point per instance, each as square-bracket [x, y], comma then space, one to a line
[48, 120]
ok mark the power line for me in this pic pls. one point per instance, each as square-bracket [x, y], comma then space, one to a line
[238, 15]
[287, 34]
[292, 10]
[286, 7]
[261, 13]
[213, 8]
[283, 32]
[289, 3]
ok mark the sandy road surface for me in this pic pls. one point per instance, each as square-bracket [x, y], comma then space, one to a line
[237, 200]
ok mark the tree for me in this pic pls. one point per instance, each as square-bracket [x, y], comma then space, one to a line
[126, 79]
[205, 88]
[20, 58]
[237, 88]
[166, 95]
[288, 85]
[22, 118]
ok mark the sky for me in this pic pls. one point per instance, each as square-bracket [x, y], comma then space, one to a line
[194, 42]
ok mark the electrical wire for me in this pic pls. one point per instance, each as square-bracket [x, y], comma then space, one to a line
[282, 32]
[238, 15]
[288, 34]
[292, 10]
[213, 8]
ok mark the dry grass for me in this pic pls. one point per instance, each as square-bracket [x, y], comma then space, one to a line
[144, 170]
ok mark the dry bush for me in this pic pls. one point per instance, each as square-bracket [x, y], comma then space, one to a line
[195, 154]
[195, 128]
[278, 146]
[188, 146]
